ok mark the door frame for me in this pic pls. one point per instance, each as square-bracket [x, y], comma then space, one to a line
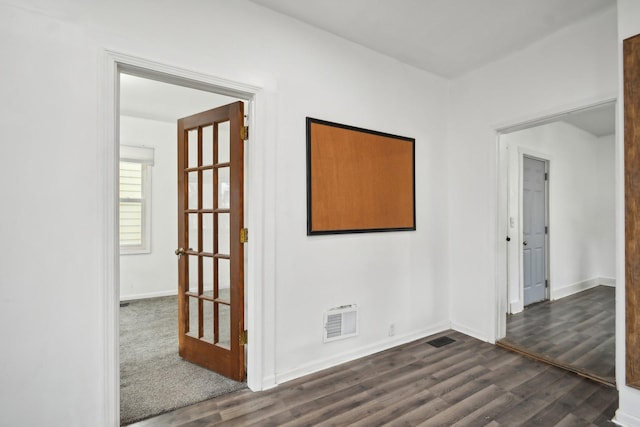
[501, 300]
[258, 200]
[522, 153]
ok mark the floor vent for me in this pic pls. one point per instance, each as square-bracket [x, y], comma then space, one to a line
[442, 341]
[124, 304]
[340, 322]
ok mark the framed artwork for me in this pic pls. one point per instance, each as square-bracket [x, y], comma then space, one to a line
[358, 180]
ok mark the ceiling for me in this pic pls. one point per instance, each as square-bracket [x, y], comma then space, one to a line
[599, 121]
[151, 99]
[445, 37]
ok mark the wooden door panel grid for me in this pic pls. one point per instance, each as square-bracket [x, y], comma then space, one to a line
[211, 321]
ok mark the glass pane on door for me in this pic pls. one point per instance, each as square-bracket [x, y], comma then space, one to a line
[207, 321]
[223, 233]
[207, 233]
[192, 233]
[224, 187]
[207, 189]
[224, 324]
[192, 190]
[224, 280]
[207, 146]
[224, 137]
[207, 274]
[193, 317]
[192, 148]
[192, 260]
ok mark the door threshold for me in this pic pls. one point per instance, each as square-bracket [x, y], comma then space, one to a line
[541, 358]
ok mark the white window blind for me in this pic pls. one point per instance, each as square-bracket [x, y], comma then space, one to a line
[135, 186]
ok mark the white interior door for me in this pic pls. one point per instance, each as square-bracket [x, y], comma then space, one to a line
[534, 206]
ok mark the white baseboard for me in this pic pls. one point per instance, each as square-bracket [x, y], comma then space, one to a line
[607, 281]
[154, 294]
[574, 288]
[625, 420]
[319, 365]
[470, 331]
[516, 307]
[148, 295]
[268, 382]
[565, 291]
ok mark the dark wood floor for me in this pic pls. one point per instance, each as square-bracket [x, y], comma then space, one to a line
[467, 382]
[576, 332]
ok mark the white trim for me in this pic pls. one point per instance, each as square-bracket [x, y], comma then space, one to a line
[114, 63]
[501, 307]
[147, 295]
[502, 245]
[110, 260]
[623, 419]
[552, 114]
[472, 332]
[501, 298]
[583, 285]
[319, 365]
[573, 288]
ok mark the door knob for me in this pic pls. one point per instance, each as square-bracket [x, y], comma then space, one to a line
[180, 251]
[524, 243]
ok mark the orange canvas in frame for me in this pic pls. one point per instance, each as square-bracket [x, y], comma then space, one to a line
[358, 180]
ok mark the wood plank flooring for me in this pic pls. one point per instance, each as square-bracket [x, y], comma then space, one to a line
[576, 332]
[467, 382]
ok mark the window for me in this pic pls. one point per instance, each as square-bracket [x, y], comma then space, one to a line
[135, 199]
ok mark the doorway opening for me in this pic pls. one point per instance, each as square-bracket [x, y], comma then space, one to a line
[556, 296]
[117, 64]
[153, 377]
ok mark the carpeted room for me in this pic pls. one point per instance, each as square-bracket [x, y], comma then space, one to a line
[153, 377]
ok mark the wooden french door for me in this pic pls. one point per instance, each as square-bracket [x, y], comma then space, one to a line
[211, 253]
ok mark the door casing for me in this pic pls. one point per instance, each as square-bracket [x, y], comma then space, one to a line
[500, 301]
[257, 198]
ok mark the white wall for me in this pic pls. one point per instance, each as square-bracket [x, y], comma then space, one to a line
[578, 217]
[573, 67]
[155, 273]
[606, 205]
[50, 269]
[628, 413]
[53, 72]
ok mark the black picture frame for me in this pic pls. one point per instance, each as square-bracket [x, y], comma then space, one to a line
[358, 180]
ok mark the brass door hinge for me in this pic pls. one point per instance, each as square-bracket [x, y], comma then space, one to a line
[244, 235]
[244, 132]
[243, 337]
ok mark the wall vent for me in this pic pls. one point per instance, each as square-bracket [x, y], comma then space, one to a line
[340, 322]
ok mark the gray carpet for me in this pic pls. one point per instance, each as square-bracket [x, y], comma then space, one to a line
[153, 378]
